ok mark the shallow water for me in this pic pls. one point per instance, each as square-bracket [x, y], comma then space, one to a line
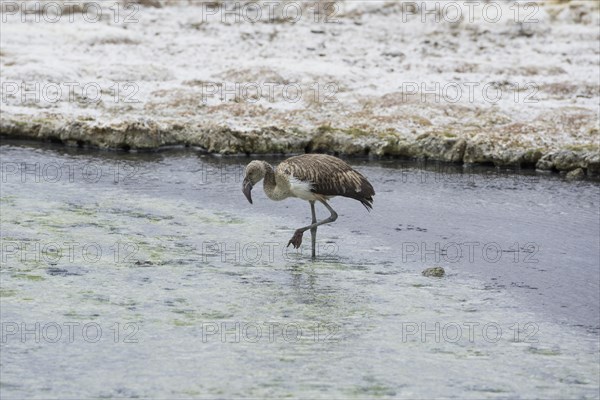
[150, 275]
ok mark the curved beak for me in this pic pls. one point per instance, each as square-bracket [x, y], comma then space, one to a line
[247, 189]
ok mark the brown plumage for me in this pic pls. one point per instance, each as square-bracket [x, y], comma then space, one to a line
[329, 177]
[311, 177]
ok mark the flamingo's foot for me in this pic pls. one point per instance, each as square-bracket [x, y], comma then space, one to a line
[296, 240]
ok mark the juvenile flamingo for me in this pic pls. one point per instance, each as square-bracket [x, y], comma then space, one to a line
[311, 177]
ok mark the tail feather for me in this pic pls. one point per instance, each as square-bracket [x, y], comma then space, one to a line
[365, 196]
[367, 202]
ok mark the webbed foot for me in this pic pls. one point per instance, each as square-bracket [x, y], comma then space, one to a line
[296, 240]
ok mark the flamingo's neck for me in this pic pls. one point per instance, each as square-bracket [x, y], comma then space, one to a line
[272, 189]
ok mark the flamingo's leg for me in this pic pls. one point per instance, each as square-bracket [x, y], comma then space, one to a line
[313, 231]
[296, 240]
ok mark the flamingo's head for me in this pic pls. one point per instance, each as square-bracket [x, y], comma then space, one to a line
[255, 171]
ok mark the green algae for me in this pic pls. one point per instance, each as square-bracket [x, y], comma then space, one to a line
[33, 278]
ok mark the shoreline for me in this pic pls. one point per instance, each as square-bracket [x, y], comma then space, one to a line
[151, 136]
